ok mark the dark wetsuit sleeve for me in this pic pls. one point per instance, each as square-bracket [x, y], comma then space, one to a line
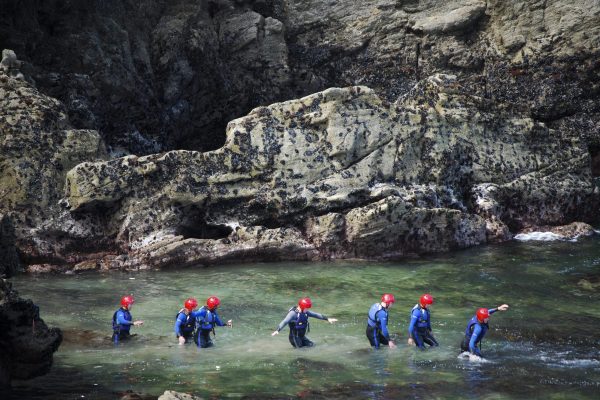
[286, 320]
[316, 315]
[199, 313]
[492, 310]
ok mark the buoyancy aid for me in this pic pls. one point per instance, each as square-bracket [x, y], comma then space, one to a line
[188, 324]
[208, 321]
[423, 318]
[373, 315]
[300, 325]
[471, 327]
[117, 328]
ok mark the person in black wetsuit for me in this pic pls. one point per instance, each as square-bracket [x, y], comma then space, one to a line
[377, 322]
[419, 330]
[185, 322]
[477, 327]
[206, 320]
[122, 320]
[297, 319]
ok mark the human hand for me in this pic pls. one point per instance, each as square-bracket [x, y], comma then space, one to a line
[181, 340]
[392, 344]
[275, 333]
[331, 320]
[503, 307]
[230, 323]
[411, 342]
[138, 323]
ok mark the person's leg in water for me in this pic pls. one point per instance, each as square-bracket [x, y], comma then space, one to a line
[464, 345]
[418, 339]
[203, 338]
[120, 337]
[371, 333]
[295, 339]
[430, 340]
[306, 342]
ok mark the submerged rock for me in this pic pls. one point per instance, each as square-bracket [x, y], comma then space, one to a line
[172, 395]
[26, 343]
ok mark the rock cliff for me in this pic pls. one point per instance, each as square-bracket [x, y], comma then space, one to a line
[427, 126]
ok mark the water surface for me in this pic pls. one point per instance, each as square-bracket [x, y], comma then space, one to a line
[546, 346]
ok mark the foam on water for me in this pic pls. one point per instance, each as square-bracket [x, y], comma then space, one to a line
[538, 236]
[465, 355]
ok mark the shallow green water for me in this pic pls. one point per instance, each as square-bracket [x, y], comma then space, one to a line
[546, 346]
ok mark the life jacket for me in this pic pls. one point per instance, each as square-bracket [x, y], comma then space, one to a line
[117, 328]
[423, 318]
[300, 325]
[471, 327]
[374, 320]
[188, 325]
[208, 321]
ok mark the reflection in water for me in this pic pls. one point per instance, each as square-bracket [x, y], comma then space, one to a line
[540, 338]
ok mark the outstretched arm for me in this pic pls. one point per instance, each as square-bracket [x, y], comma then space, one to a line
[284, 322]
[321, 316]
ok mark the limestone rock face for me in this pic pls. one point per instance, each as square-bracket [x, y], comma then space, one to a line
[37, 148]
[160, 75]
[139, 72]
[437, 170]
[458, 122]
[26, 343]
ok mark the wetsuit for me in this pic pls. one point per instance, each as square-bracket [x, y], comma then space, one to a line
[205, 323]
[474, 333]
[185, 325]
[298, 323]
[121, 323]
[377, 331]
[420, 327]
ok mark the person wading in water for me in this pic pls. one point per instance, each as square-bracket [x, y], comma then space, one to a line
[297, 319]
[377, 322]
[122, 320]
[477, 327]
[419, 329]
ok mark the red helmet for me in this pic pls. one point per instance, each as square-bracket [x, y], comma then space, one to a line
[212, 302]
[190, 303]
[127, 301]
[482, 313]
[388, 299]
[304, 303]
[426, 299]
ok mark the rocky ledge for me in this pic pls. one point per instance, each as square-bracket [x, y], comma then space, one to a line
[337, 174]
[26, 343]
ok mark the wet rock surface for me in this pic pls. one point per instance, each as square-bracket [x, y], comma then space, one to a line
[342, 173]
[26, 343]
[481, 121]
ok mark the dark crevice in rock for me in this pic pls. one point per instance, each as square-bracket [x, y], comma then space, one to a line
[204, 231]
[195, 226]
[595, 155]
